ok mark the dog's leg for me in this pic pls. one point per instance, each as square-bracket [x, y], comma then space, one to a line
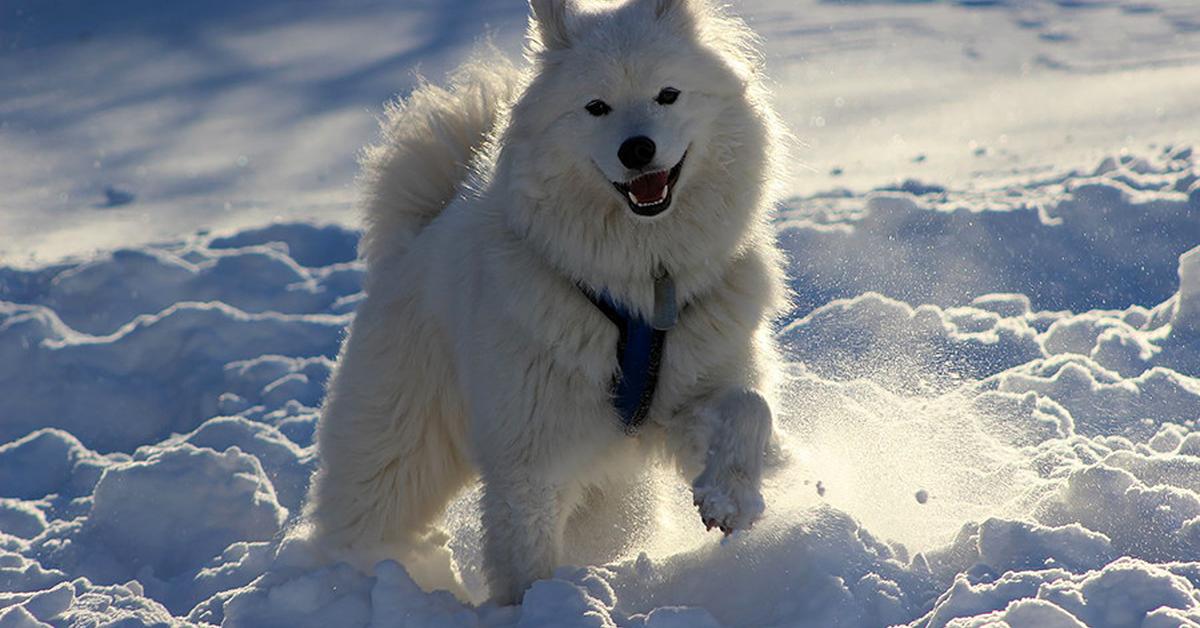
[522, 533]
[389, 439]
[738, 427]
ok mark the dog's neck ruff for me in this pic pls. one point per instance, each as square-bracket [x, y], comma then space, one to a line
[639, 350]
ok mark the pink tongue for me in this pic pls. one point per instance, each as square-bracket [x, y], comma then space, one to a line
[648, 188]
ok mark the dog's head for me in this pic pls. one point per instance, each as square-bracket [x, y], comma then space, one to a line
[639, 111]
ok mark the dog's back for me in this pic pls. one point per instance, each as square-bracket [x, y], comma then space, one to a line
[429, 141]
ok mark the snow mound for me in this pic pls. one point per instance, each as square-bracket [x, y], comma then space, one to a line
[229, 499]
[1107, 237]
[1126, 592]
[65, 466]
[158, 374]
[1008, 439]
[80, 603]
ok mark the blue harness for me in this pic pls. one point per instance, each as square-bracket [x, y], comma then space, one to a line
[639, 351]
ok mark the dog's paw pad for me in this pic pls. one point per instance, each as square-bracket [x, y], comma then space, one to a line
[733, 504]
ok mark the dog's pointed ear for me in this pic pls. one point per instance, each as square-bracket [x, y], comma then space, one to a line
[550, 19]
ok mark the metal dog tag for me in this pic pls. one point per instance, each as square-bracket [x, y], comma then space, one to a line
[666, 310]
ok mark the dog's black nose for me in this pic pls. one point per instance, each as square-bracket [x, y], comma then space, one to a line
[636, 152]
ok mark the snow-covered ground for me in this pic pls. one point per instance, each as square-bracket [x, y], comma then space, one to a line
[994, 387]
[131, 121]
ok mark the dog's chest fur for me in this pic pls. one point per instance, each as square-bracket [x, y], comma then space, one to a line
[542, 319]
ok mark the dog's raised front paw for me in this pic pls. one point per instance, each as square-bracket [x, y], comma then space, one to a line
[728, 501]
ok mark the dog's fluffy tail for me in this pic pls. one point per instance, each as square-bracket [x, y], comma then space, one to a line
[429, 141]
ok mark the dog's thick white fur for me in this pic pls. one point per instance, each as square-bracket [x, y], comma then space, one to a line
[477, 355]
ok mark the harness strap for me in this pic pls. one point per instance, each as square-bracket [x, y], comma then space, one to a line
[639, 355]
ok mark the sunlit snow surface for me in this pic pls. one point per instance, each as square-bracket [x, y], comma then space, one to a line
[134, 121]
[994, 356]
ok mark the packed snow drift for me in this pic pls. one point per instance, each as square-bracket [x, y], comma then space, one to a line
[958, 456]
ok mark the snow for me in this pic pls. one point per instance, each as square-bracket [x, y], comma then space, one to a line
[1112, 238]
[1054, 457]
[993, 391]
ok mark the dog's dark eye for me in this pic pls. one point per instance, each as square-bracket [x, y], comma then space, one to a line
[598, 108]
[667, 96]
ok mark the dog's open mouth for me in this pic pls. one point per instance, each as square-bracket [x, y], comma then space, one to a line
[650, 194]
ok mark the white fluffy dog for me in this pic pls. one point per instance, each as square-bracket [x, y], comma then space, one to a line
[570, 270]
